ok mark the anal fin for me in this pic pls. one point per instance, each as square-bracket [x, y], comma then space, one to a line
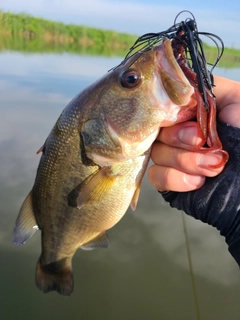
[101, 241]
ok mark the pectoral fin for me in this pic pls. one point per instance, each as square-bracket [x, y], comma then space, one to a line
[26, 224]
[101, 241]
[93, 189]
[73, 195]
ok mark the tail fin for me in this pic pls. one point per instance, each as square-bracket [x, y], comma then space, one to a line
[56, 276]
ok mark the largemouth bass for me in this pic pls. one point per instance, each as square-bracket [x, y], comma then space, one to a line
[94, 159]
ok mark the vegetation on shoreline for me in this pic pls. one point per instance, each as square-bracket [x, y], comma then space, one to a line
[33, 34]
[25, 33]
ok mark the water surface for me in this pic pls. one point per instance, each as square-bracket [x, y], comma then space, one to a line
[145, 272]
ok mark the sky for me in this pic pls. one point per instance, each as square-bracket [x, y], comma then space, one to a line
[137, 16]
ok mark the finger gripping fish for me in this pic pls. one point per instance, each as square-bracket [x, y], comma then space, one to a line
[94, 159]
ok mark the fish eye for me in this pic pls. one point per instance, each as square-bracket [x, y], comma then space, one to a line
[130, 78]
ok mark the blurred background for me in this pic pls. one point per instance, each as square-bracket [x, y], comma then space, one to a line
[145, 273]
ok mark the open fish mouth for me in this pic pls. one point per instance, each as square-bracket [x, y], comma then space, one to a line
[174, 81]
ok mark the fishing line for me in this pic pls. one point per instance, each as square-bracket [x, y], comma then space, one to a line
[194, 288]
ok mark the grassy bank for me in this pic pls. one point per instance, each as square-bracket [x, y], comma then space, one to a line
[25, 33]
[57, 34]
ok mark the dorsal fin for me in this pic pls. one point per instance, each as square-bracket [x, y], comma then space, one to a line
[26, 224]
[42, 149]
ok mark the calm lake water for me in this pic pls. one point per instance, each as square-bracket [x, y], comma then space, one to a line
[145, 272]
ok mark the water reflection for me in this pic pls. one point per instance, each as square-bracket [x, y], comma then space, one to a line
[145, 272]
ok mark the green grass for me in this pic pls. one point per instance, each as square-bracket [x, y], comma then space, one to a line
[32, 34]
[25, 33]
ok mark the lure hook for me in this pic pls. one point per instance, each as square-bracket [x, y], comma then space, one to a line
[185, 33]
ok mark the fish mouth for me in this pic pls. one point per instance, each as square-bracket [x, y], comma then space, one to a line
[173, 79]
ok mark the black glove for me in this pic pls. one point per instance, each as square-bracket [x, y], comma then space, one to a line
[217, 202]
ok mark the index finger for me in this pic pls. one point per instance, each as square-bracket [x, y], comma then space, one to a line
[228, 100]
[227, 92]
[183, 135]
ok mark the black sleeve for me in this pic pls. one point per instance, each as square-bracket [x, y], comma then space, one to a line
[218, 201]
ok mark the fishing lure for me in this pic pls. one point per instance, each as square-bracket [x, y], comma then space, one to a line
[185, 34]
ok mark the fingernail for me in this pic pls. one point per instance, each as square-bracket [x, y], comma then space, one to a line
[210, 159]
[189, 135]
[194, 181]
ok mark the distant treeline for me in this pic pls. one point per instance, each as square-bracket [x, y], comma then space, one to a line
[23, 32]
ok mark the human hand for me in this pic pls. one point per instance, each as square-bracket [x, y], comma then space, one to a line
[176, 167]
